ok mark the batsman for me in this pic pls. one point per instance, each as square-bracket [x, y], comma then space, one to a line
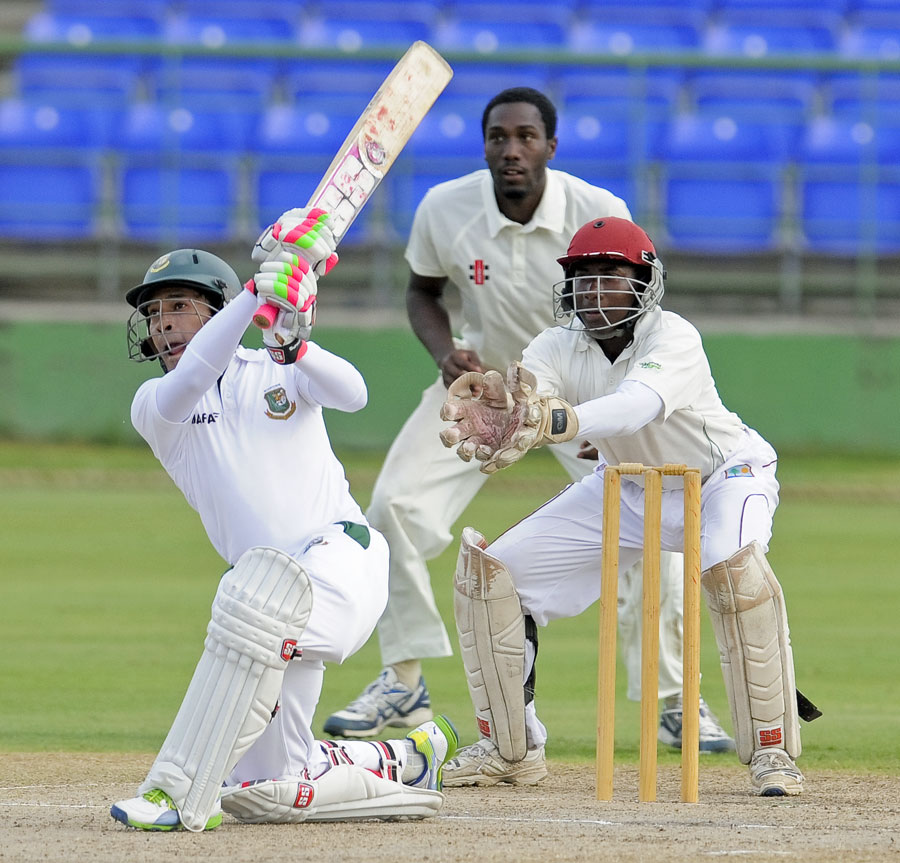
[635, 381]
[241, 433]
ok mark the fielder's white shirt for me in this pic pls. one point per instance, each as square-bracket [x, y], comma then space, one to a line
[228, 457]
[667, 355]
[504, 271]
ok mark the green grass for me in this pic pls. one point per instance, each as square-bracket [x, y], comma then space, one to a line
[108, 577]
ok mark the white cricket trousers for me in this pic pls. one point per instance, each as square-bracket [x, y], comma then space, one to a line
[553, 556]
[349, 591]
[422, 490]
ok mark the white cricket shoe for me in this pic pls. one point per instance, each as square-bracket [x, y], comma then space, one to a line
[713, 738]
[155, 810]
[773, 773]
[481, 764]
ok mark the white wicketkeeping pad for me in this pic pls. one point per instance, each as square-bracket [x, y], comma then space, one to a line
[258, 615]
[747, 609]
[491, 631]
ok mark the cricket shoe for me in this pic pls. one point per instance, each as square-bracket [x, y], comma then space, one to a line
[713, 738]
[437, 742]
[481, 764]
[384, 702]
[155, 810]
[773, 773]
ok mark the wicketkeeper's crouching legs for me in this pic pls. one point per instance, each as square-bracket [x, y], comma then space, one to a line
[260, 610]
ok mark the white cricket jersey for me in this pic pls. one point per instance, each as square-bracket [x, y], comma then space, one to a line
[228, 458]
[667, 355]
[504, 271]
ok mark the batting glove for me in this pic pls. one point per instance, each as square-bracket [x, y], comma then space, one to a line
[303, 232]
[289, 284]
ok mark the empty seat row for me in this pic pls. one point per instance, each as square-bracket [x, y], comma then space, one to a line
[600, 28]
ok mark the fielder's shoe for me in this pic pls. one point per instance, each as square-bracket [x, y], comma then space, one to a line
[155, 810]
[774, 774]
[481, 764]
[385, 702]
[713, 738]
[437, 741]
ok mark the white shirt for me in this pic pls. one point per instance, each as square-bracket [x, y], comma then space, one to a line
[253, 458]
[504, 271]
[666, 355]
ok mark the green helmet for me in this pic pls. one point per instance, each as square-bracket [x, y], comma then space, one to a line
[192, 268]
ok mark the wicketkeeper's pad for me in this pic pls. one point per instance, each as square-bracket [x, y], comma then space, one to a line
[346, 792]
[491, 629]
[748, 615]
[258, 615]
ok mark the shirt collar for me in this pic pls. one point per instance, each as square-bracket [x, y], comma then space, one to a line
[550, 213]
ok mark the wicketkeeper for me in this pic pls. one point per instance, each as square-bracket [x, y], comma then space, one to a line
[633, 380]
[241, 433]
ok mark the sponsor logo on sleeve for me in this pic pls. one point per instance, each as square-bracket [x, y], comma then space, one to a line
[738, 471]
[649, 364]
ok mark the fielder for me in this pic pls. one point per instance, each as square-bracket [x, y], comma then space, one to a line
[634, 381]
[244, 439]
[494, 235]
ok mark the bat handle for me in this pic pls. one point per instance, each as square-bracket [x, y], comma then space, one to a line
[265, 316]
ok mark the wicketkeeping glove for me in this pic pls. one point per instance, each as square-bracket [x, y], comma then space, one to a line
[303, 232]
[537, 420]
[497, 422]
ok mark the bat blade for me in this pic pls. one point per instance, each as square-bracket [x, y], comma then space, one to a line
[379, 136]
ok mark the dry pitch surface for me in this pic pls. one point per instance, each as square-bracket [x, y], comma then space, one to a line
[55, 807]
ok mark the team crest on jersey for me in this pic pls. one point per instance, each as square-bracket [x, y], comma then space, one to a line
[649, 364]
[280, 406]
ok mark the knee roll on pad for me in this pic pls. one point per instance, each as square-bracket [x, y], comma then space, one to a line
[491, 629]
[346, 792]
[748, 615]
[260, 610]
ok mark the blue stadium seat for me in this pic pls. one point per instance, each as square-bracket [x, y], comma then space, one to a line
[721, 185]
[112, 81]
[557, 13]
[173, 200]
[120, 8]
[288, 10]
[349, 35]
[216, 31]
[873, 42]
[483, 81]
[452, 128]
[215, 83]
[849, 187]
[50, 170]
[179, 172]
[875, 97]
[795, 9]
[422, 11]
[86, 29]
[337, 77]
[489, 35]
[158, 128]
[634, 35]
[764, 38]
[658, 88]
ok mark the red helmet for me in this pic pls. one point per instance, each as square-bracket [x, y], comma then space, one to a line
[610, 237]
[616, 239]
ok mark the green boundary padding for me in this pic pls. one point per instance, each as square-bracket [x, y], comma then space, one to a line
[74, 381]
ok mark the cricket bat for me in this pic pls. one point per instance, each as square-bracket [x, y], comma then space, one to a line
[374, 143]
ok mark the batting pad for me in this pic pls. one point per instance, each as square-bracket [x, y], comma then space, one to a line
[746, 606]
[259, 612]
[347, 792]
[491, 631]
